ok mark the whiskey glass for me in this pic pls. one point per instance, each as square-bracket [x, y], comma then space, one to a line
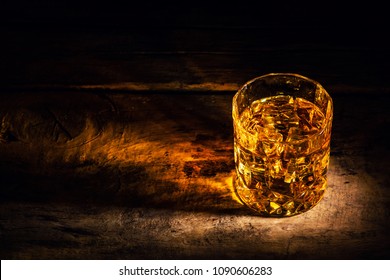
[282, 131]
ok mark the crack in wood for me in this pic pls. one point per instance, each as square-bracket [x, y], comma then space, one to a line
[60, 126]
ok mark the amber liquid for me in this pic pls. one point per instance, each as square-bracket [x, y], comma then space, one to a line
[281, 153]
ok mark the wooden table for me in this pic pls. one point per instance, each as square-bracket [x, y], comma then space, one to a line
[116, 137]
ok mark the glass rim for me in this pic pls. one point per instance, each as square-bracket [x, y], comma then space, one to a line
[281, 74]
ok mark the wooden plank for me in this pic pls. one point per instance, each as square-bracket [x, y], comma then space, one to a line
[148, 176]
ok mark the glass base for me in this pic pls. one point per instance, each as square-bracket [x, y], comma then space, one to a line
[273, 204]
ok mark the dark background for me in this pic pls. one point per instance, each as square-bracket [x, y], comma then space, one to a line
[59, 43]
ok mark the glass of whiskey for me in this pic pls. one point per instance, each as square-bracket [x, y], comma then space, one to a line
[282, 127]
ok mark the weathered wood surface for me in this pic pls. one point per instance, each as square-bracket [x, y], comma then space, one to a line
[148, 176]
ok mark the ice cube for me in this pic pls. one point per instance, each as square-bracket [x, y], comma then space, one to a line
[272, 142]
[289, 205]
[289, 177]
[246, 176]
[275, 208]
[275, 168]
[295, 134]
